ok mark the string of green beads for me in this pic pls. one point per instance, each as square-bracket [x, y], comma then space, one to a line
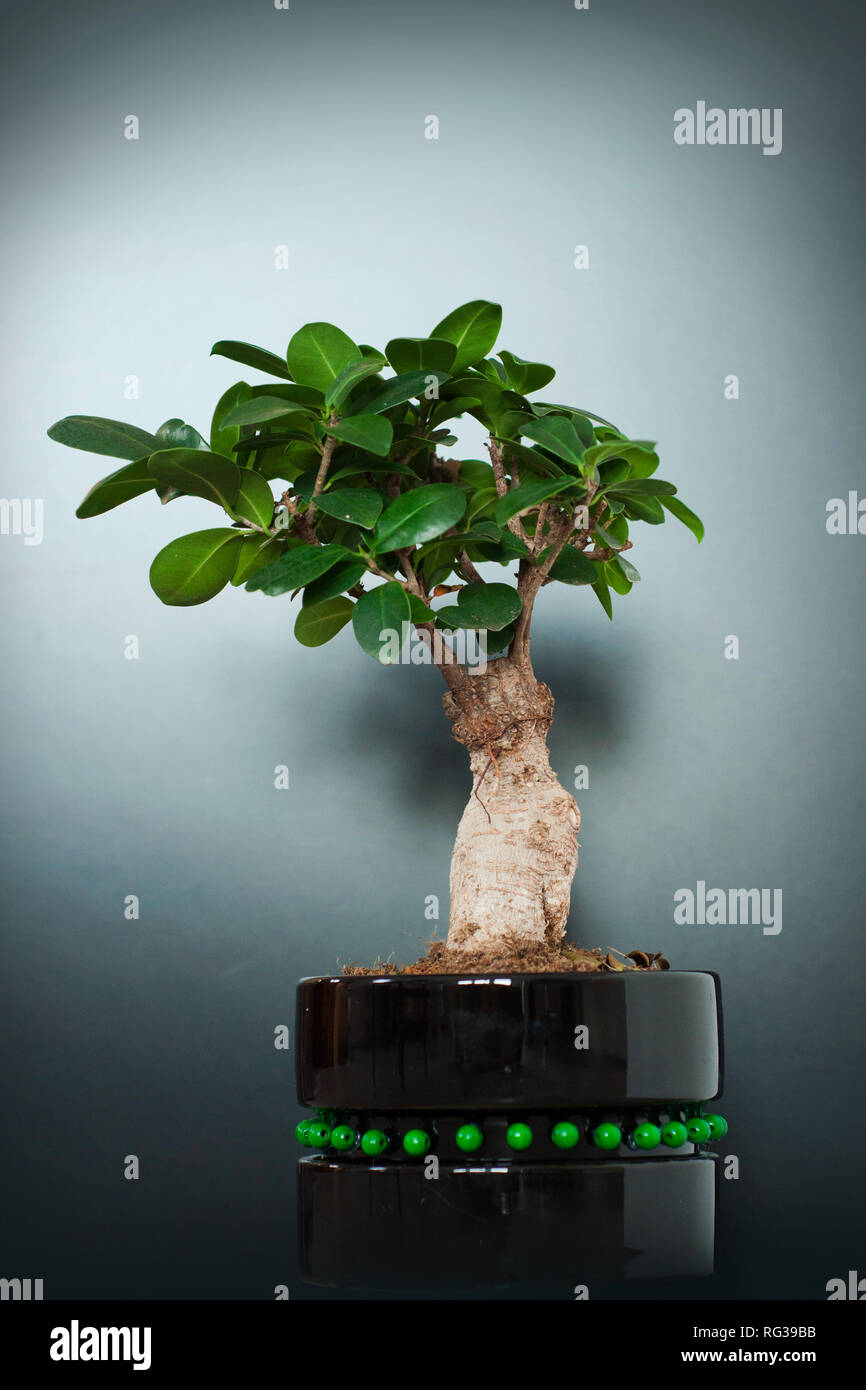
[318, 1134]
[374, 1142]
[699, 1129]
[646, 1136]
[343, 1137]
[607, 1136]
[518, 1136]
[565, 1135]
[674, 1134]
[468, 1138]
[416, 1142]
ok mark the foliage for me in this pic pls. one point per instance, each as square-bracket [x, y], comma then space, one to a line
[355, 438]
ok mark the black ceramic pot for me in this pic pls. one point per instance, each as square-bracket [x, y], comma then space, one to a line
[489, 1131]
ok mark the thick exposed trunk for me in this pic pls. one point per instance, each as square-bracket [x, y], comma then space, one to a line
[516, 849]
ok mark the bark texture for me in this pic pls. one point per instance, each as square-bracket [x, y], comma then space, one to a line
[516, 849]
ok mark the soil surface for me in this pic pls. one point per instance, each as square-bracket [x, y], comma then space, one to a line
[518, 958]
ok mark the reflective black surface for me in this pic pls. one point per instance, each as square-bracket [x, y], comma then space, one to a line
[449, 1042]
[517, 1225]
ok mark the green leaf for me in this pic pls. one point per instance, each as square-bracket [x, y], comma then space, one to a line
[251, 356]
[615, 530]
[643, 487]
[577, 410]
[372, 353]
[286, 460]
[647, 509]
[256, 552]
[472, 328]
[476, 473]
[419, 516]
[318, 352]
[379, 613]
[683, 514]
[368, 432]
[341, 577]
[614, 471]
[537, 462]
[349, 377]
[420, 354]
[605, 537]
[222, 440]
[627, 568]
[360, 505]
[96, 435]
[292, 427]
[602, 593]
[491, 606]
[582, 423]
[130, 481]
[526, 376]
[420, 613]
[296, 568]
[496, 642]
[527, 495]
[198, 473]
[573, 567]
[480, 501]
[616, 577]
[364, 465]
[257, 410]
[254, 501]
[177, 434]
[643, 462]
[452, 409]
[320, 622]
[556, 433]
[614, 449]
[401, 389]
[305, 397]
[194, 568]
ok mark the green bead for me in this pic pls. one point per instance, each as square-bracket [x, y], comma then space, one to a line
[565, 1135]
[518, 1136]
[607, 1136]
[301, 1131]
[343, 1137]
[468, 1138]
[718, 1126]
[698, 1130]
[416, 1142]
[674, 1134]
[374, 1142]
[318, 1135]
[647, 1136]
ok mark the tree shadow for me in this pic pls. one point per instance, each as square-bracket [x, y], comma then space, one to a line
[399, 728]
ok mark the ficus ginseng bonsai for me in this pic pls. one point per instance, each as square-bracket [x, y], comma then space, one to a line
[372, 524]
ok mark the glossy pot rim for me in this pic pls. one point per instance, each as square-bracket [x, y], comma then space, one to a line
[496, 977]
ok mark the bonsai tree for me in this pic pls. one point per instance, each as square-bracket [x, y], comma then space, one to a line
[376, 525]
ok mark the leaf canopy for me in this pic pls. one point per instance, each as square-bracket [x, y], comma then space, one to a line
[336, 482]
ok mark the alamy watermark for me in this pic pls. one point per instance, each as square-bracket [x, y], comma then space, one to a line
[77, 1343]
[464, 646]
[23, 516]
[729, 907]
[737, 126]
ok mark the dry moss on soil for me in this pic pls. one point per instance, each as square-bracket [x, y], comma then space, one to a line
[515, 957]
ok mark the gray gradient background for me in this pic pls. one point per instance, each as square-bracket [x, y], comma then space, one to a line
[155, 777]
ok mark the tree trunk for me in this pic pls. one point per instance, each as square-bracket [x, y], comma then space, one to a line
[516, 850]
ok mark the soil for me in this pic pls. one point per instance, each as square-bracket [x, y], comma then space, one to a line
[517, 958]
